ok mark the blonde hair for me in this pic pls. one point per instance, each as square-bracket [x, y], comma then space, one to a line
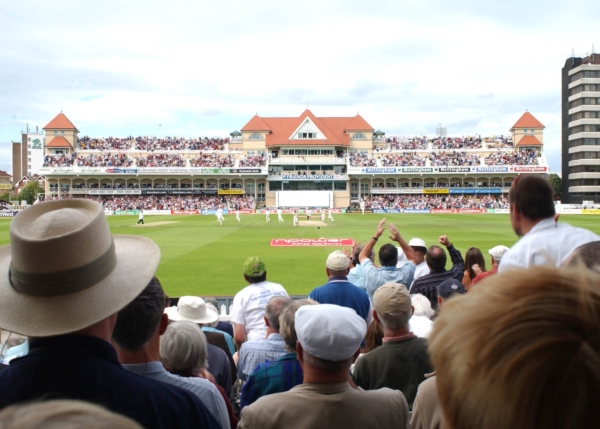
[63, 414]
[523, 352]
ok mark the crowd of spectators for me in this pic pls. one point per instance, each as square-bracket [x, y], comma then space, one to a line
[457, 143]
[241, 202]
[212, 160]
[106, 159]
[161, 160]
[407, 143]
[110, 143]
[207, 143]
[253, 160]
[152, 144]
[403, 159]
[453, 158]
[499, 142]
[523, 157]
[362, 159]
[58, 160]
[397, 202]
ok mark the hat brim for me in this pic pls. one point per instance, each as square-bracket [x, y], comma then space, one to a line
[209, 317]
[137, 260]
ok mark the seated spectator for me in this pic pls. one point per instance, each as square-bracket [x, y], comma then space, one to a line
[402, 361]
[183, 352]
[254, 352]
[329, 338]
[473, 256]
[137, 338]
[496, 256]
[221, 326]
[541, 326]
[282, 374]
[420, 322]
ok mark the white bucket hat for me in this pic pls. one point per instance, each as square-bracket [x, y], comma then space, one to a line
[192, 308]
[64, 271]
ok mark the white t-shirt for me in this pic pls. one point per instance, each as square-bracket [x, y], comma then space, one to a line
[279, 212]
[421, 270]
[249, 307]
[267, 212]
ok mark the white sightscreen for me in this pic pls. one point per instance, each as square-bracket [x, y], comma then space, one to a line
[304, 199]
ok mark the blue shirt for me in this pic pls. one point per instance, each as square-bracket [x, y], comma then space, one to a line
[377, 277]
[340, 291]
[272, 377]
[86, 368]
[254, 352]
[357, 278]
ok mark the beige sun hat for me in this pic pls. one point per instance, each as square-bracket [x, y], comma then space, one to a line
[192, 308]
[64, 271]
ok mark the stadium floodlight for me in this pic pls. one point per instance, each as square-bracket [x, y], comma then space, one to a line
[441, 131]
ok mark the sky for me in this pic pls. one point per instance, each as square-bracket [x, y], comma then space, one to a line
[199, 68]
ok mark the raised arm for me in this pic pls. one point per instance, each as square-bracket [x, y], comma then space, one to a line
[366, 251]
[408, 251]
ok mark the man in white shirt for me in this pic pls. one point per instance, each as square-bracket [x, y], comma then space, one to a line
[237, 215]
[219, 215]
[543, 240]
[330, 211]
[420, 250]
[279, 212]
[249, 304]
[296, 217]
[307, 214]
[267, 215]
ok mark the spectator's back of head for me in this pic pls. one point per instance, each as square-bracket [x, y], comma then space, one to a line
[531, 339]
[275, 308]
[139, 320]
[183, 348]
[388, 255]
[532, 196]
[63, 414]
[436, 258]
[393, 305]
[287, 327]
[587, 255]
[421, 305]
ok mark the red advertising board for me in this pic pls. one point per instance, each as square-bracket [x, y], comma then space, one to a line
[455, 211]
[176, 212]
[317, 242]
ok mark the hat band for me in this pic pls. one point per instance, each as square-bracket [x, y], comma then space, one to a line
[64, 282]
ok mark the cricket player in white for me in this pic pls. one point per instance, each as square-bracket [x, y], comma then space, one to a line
[279, 212]
[307, 213]
[330, 211]
[219, 215]
[267, 215]
[296, 217]
[237, 215]
[362, 207]
[322, 215]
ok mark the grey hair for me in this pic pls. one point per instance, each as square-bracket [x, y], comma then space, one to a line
[422, 305]
[274, 308]
[183, 347]
[288, 325]
[396, 322]
[212, 307]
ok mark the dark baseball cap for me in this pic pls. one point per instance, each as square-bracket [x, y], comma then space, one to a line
[450, 286]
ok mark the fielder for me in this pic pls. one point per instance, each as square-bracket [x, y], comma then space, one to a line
[307, 213]
[219, 215]
[296, 217]
[268, 215]
[279, 212]
[330, 212]
[362, 207]
[237, 215]
[322, 215]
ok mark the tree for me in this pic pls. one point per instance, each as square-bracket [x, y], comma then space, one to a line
[30, 192]
[556, 182]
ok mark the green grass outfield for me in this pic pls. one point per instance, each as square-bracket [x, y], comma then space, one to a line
[199, 257]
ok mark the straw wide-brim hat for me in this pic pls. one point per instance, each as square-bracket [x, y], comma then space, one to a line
[64, 271]
[192, 308]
